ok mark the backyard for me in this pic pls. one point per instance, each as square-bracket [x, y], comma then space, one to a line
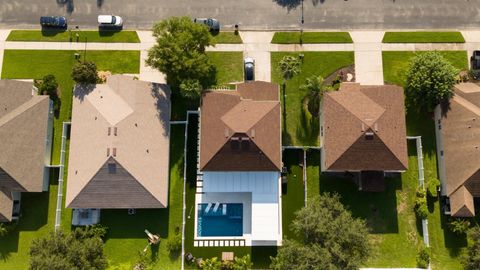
[299, 127]
[446, 247]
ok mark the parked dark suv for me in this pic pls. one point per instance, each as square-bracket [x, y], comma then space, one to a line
[53, 21]
[475, 64]
[212, 24]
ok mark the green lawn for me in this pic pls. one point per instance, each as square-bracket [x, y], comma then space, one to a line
[229, 68]
[423, 37]
[28, 64]
[446, 248]
[299, 127]
[394, 229]
[293, 194]
[71, 36]
[227, 38]
[396, 64]
[311, 37]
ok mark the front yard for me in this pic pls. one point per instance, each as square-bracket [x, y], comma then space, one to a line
[311, 37]
[299, 127]
[71, 36]
[423, 37]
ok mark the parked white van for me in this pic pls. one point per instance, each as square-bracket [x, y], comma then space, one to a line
[110, 21]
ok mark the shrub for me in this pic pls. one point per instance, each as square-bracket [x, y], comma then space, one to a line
[423, 257]
[432, 186]
[174, 244]
[48, 86]
[421, 208]
[458, 225]
[85, 72]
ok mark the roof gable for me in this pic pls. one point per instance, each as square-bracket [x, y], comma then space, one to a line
[114, 187]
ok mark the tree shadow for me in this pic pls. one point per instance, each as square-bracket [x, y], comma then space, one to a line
[316, 2]
[288, 4]
[161, 94]
[308, 128]
[422, 124]
[68, 4]
[100, 3]
[379, 209]
[453, 242]
[82, 90]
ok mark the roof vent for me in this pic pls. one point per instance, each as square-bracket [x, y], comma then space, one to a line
[369, 135]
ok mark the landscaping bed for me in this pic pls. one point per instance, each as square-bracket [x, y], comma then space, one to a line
[299, 127]
[423, 37]
[311, 37]
[71, 36]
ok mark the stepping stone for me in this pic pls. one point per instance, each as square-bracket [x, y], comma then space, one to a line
[242, 243]
[221, 243]
[349, 77]
[195, 243]
[200, 243]
[232, 243]
[216, 243]
[210, 243]
[236, 243]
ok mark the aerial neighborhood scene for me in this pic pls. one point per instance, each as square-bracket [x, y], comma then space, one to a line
[239, 135]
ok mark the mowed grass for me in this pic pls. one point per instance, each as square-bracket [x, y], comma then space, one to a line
[298, 125]
[394, 230]
[446, 247]
[423, 37]
[71, 36]
[397, 63]
[34, 64]
[227, 38]
[293, 193]
[311, 37]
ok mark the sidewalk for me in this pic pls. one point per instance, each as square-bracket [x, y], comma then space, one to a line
[368, 57]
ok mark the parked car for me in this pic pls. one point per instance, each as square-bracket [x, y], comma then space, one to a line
[110, 21]
[475, 64]
[53, 21]
[249, 69]
[211, 23]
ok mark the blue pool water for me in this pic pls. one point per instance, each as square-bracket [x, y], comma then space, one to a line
[220, 222]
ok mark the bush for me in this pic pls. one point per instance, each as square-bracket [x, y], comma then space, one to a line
[423, 257]
[48, 86]
[432, 186]
[174, 244]
[421, 208]
[458, 225]
[85, 72]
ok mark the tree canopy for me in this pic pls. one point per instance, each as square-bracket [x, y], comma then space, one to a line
[85, 72]
[333, 239]
[472, 258]
[315, 88]
[429, 81]
[79, 250]
[179, 53]
[289, 66]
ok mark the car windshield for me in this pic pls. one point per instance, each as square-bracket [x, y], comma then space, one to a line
[56, 20]
[210, 22]
[113, 19]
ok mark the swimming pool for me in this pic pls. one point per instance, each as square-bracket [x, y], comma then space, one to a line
[222, 219]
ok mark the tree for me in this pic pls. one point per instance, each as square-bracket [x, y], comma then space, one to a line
[429, 81]
[211, 264]
[48, 86]
[315, 88]
[289, 66]
[77, 250]
[3, 230]
[85, 72]
[179, 53]
[333, 239]
[243, 263]
[472, 258]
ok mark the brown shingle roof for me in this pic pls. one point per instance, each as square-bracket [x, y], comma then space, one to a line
[364, 128]
[23, 133]
[240, 130]
[119, 147]
[460, 131]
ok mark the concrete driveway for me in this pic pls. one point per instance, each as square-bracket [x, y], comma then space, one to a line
[257, 46]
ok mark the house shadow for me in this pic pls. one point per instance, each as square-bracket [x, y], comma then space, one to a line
[452, 241]
[316, 2]
[378, 209]
[422, 124]
[108, 32]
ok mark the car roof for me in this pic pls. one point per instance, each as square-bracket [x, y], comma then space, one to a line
[105, 18]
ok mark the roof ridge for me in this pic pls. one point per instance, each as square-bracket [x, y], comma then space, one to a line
[20, 109]
[259, 120]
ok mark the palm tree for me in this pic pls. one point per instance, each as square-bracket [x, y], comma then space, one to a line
[211, 264]
[316, 89]
[289, 66]
[3, 229]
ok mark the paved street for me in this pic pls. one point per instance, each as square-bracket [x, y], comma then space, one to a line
[254, 14]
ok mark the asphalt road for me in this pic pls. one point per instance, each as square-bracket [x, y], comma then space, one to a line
[255, 14]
